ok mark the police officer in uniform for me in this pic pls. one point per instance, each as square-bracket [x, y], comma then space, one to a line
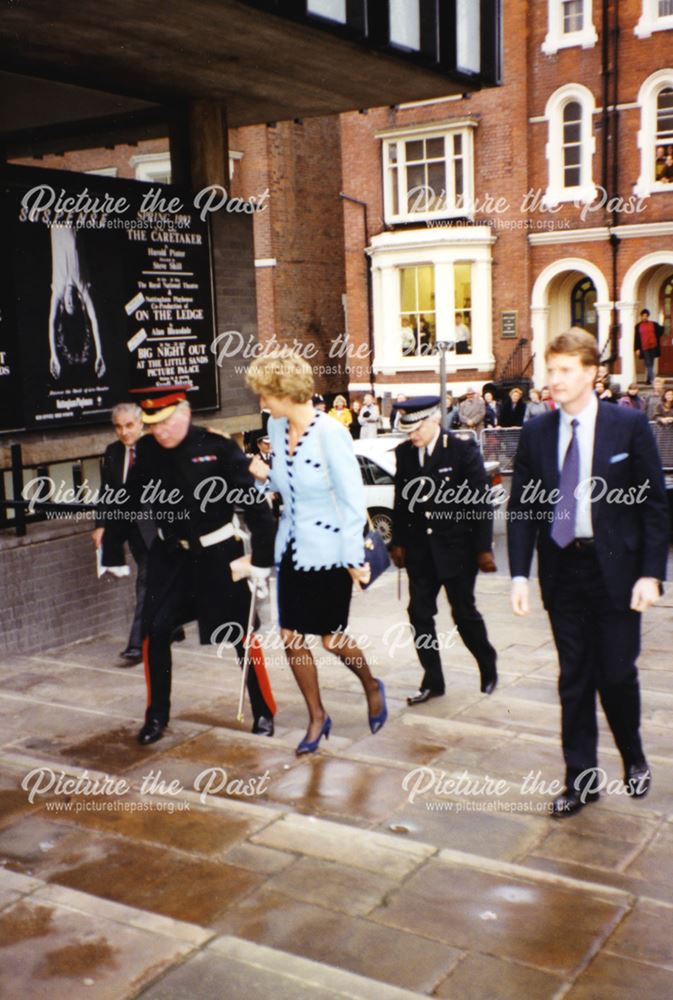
[192, 479]
[442, 534]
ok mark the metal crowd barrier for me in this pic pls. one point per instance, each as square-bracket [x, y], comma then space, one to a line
[465, 434]
[663, 435]
[499, 444]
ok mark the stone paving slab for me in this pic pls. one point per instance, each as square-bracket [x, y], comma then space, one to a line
[387, 954]
[538, 925]
[359, 849]
[243, 969]
[332, 864]
[63, 944]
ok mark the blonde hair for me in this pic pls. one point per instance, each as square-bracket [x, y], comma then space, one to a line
[575, 341]
[339, 399]
[281, 373]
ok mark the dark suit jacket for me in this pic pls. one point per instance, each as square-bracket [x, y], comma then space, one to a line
[630, 527]
[455, 529]
[512, 415]
[118, 531]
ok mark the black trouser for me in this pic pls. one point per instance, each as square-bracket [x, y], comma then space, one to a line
[597, 647]
[649, 357]
[172, 574]
[424, 586]
[139, 553]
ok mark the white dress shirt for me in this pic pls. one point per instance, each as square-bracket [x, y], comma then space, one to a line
[127, 460]
[585, 439]
[427, 450]
[586, 431]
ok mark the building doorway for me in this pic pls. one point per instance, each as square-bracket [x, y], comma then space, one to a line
[583, 306]
[666, 313]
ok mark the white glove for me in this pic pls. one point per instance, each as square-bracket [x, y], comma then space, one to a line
[258, 581]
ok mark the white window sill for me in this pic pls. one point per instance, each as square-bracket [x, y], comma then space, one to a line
[586, 39]
[431, 364]
[559, 196]
[644, 189]
[444, 215]
[646, 26]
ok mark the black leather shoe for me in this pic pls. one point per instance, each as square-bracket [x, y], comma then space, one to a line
[489, 681]
[131, 655]
[178, 635]
[152, 731]
[425, 694]
[263, 726]
[570, 802]
[638, 779]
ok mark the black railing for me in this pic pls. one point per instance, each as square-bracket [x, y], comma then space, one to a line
[518, 364]
[26, 508]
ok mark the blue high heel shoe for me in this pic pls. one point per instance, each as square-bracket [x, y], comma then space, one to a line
[310, 746]
[376, 721]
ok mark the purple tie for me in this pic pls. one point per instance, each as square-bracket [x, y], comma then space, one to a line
[563, 528]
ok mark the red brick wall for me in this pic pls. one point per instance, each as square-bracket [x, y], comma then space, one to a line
[300, 297]
[97, 159]
[501, 144]
[510, 160]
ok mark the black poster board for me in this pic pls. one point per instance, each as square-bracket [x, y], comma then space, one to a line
[107, 290]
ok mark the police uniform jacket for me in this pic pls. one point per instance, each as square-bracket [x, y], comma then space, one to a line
[441, 509]
[324, 510]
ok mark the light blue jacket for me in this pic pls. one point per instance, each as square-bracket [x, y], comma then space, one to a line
[323, 495]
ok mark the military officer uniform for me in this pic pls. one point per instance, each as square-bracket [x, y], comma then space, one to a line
[193, 489]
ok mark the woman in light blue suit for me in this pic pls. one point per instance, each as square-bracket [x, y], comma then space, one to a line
[319, 545]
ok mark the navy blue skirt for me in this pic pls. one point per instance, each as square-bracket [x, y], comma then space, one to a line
[314, 601]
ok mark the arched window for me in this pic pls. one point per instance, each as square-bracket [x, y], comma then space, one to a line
[571, 145]
[655, 138]
[583, 306]
[663, 142]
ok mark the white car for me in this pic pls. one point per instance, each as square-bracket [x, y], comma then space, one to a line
[376, 457]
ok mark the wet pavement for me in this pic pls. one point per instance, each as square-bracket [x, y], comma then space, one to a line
[420, 861]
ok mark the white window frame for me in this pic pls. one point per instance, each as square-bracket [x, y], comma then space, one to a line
[150, 166]
[557, 39]
[234, 158]
[441, 248]
[647, 99]
[650, 20]
[584, 192]
[445, 130]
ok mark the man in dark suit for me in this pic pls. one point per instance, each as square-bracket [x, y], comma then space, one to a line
[442, 533]
[589, 489]
[118, 460]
